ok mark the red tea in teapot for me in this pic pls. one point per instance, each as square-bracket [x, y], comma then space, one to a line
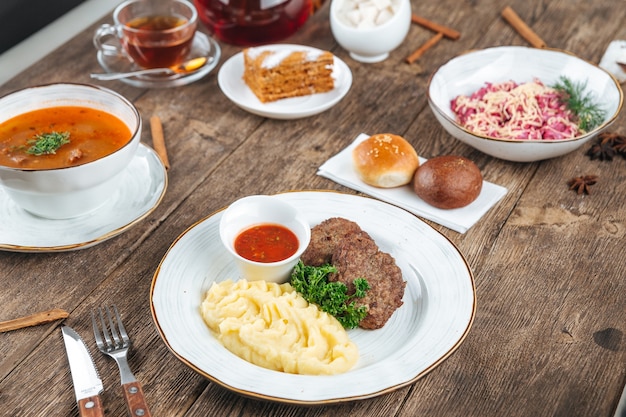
[253, 22]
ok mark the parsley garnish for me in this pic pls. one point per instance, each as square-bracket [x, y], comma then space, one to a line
[312, 283]
[47, 143]
[590, 114]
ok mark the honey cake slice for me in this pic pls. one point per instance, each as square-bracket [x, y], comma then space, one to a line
[276, 74]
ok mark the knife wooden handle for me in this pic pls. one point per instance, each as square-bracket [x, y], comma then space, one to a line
[33, 319]
[135, 400]
[90, 407]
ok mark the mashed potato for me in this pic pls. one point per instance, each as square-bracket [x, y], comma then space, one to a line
[272, 326]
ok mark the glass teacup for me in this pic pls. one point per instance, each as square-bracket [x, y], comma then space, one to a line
[153, 34]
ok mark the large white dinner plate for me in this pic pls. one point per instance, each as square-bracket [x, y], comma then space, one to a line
[230, 80]
[142, 188]
[439, 306]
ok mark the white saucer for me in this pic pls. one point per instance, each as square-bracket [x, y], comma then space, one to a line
[202, 45]
[231, 82]
[143, 187]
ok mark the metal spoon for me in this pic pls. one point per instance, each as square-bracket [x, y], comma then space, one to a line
[184, 68]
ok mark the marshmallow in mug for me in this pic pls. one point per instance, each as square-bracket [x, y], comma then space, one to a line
[367, 13]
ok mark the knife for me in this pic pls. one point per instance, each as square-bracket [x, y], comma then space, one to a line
[87, 383]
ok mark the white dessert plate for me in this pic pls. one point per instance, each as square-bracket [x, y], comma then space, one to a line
[143, 186]
[202, 45]
[230, 80]
[438, 310]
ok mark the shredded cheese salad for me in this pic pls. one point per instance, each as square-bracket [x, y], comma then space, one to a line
[510, 110]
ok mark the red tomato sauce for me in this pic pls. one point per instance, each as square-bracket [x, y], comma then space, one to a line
[266, 243]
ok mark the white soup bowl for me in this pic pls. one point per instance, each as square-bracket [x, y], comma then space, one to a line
[77, 190]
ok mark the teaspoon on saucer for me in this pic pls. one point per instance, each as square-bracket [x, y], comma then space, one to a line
[181, 69]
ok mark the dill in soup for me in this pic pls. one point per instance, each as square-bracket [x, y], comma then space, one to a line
[60, 137]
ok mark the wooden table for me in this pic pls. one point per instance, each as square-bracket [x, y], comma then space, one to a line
[549, 264]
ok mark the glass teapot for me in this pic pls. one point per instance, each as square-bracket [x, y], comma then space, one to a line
[253, 22]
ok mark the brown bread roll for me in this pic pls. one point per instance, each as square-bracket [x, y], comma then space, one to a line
[385, 160]
[448, 181]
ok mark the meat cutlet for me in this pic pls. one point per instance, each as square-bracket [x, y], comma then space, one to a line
[324, 239]
[358, 256]
[343, 244]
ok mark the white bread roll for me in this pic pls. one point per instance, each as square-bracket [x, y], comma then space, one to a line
[385, 160]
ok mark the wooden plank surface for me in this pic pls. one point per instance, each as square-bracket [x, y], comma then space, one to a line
[549, 264]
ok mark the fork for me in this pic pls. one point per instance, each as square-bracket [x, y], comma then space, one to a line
[112, 340]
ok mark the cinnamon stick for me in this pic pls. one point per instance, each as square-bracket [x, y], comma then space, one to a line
[158, 140]
[447, 32]
[522, 28]
[33, 319]
[425, 47]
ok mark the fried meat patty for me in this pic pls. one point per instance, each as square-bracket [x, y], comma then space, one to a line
[358, 256]
[324, 239]
[343, 244]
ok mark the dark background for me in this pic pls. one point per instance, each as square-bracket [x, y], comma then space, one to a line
[21, 18]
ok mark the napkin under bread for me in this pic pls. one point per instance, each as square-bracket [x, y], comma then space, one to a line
[339, 168]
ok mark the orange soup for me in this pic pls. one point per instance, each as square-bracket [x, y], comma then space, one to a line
[60, 137]
[266, 243]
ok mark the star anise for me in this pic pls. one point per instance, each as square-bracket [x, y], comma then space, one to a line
[619, 144]
[581, 184]
[607, 146]
[603, 148]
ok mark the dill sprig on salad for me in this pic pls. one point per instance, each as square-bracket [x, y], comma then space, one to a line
[581, 103]
[529, 110]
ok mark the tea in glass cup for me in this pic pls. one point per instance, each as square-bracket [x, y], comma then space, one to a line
[151, 33]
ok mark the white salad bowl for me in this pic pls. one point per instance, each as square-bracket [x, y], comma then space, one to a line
[77, 190]
[467, 73]
[263, 209]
